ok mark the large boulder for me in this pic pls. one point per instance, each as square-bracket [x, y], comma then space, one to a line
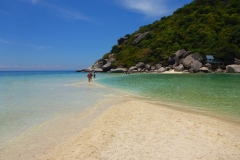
[179, 68]
[197, 57]
[192, 62]
[196, 65]
[233, 68]
[106, 67]
[187, 61]
[179, 53]
[162, 69]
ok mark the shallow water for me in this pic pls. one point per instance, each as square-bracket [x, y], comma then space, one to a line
[28, 99]
[213, 94]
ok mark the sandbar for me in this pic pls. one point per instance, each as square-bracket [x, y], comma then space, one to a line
[140, 130]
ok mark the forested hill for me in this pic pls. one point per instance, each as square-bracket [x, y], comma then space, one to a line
[203, 26]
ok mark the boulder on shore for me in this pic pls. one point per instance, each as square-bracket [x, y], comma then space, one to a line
[233, 68]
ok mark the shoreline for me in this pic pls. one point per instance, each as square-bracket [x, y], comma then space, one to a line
[126, 126]
[140, 130]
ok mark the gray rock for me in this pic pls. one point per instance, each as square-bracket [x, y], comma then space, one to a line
[197, 57]
[219, 70]
[157, 66]
[188, 61]
[132, 68]
[140, 65]
[233, 68]
[162, 69]
[204, 69]
[153, 67]
[196, 65]
[97, 65]
[148, 66]
[139, 37]
[106, 67]
[186, 54]
[208, 65]
[179, 53]
[177, 62]
[111, 60]
[179, 68]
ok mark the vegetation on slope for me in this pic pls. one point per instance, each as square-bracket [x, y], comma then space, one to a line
[203, 26]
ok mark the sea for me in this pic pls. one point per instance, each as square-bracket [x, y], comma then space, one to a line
[30, 100]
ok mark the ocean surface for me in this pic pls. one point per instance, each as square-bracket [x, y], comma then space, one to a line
[31, 98]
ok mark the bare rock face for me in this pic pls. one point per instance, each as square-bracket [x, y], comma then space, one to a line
[188, 61]
[233, 68]
[139, 37]
[132, 68]
[107, 67]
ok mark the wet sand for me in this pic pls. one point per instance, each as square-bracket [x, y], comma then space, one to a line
[140, 130]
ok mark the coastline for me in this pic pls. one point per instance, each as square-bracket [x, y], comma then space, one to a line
[140, 130]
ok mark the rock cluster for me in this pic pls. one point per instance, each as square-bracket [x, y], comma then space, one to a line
[182, 61]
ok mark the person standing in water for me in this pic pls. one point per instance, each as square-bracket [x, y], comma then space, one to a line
[94, 74]
[89, 76]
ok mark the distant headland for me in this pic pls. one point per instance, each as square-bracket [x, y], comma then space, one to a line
[202, 36]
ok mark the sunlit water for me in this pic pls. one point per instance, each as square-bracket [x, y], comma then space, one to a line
[213, 94]
[32, 98]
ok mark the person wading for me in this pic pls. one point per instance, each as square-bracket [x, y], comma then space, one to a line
[89, 76]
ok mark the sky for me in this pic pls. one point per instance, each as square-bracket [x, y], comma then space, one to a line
[70, 34]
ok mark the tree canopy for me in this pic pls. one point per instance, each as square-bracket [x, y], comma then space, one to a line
[203, 26]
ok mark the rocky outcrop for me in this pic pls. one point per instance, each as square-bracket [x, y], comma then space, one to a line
[139, 37]
[233, 68]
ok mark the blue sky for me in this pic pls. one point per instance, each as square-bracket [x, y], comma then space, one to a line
[70, 34]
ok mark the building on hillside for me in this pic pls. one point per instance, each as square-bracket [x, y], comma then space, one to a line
[215, 63]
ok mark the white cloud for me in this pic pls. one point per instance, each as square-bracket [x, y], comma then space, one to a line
[150, 8]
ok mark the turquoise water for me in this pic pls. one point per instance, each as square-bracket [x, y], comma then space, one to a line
[212, 94]
[31, 98]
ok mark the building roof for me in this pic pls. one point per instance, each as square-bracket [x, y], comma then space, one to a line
[209, 57]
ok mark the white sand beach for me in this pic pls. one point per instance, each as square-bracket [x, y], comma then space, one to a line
[140, 130]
